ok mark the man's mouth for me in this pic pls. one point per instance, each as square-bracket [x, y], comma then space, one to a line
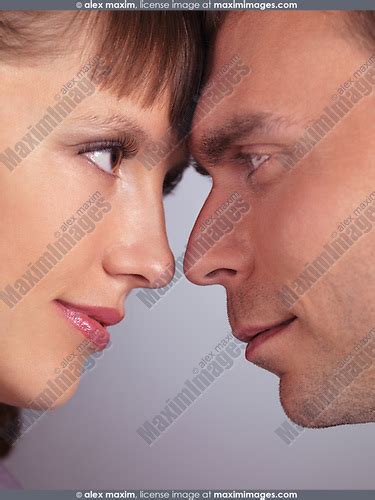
[254, 336]
[91, 321]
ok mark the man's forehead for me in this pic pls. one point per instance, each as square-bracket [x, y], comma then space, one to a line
[282, 72]
[253, 34]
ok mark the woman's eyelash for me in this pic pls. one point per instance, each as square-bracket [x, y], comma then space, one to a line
[112, 151]
[126, 145]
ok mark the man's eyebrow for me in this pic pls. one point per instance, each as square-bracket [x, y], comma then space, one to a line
[214, 144]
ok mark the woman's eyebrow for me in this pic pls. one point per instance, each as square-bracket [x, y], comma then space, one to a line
[115, 123]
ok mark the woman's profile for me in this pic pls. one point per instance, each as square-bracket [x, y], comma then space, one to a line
[86, 98]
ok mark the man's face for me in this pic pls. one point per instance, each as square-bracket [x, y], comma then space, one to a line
[298, 198]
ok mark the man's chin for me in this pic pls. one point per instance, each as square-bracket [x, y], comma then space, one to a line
[303, 407]
[267, 364]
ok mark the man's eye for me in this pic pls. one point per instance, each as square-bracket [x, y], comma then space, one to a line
[257, 160]
[106, 159]
[251, 161]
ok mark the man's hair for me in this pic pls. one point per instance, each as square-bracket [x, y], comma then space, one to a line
[363, 22]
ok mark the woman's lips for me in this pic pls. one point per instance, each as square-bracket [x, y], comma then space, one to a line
[91, 321]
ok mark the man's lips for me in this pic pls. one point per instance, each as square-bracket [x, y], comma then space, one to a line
[91, 321]
[255, 335]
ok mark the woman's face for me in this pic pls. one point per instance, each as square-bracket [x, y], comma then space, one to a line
[81, 224]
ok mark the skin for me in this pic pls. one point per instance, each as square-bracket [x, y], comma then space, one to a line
[127, 249]
[298, 61]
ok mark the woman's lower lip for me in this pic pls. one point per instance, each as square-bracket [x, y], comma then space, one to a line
[89, 327]
[262, 338]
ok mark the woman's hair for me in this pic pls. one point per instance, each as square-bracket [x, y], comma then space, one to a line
[10, 426]
[147, 53]
[363, 22]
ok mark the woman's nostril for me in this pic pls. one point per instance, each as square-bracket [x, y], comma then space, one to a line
[142, 280]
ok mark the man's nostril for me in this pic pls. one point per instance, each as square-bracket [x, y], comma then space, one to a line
[212, 274]
[218, 272]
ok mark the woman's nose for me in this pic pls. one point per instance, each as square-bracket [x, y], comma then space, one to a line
[138, 246]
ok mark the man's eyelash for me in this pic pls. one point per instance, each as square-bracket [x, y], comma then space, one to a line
[248, 157]
[198, 168]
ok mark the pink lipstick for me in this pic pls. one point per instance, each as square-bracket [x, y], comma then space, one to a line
[91, 321]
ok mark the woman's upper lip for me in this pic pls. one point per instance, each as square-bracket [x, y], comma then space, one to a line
[107, 316]
[247, 333]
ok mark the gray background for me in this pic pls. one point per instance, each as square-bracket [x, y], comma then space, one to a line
[226, 438]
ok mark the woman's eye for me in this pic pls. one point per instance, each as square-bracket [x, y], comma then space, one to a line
[106, 159]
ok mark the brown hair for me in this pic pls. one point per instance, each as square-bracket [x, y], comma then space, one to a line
[147, 52]
[363, 22]
[10, 426]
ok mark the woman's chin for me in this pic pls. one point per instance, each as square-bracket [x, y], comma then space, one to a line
[39, 392]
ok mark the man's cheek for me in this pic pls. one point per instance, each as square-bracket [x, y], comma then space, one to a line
[285, 238]
[363, 224]
[224, 224]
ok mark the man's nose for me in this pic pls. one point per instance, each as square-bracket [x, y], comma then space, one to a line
[219, 249]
